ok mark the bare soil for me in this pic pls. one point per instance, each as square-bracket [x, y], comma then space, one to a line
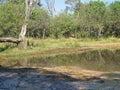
[78, 49]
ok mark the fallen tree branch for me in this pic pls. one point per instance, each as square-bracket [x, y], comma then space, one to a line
[10, 39]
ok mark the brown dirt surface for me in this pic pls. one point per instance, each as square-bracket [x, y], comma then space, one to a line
[77, 49]
[76, 72]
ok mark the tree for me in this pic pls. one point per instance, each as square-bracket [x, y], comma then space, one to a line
[77, 8]
[38, 23]
[80, 20]
[62, 25]
[21, 40]
[50, 6]
[73, 5]
[95, 17]
[12, 16]
[114, 24]
[28, 4]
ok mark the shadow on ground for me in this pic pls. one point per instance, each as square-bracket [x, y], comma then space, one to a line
[35, 79]
[41, 79]
[6, 47]
[112, 81]
[3, 49]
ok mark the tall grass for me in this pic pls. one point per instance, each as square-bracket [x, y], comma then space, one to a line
[37, 45]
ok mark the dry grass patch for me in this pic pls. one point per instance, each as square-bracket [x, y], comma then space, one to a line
[76, 72]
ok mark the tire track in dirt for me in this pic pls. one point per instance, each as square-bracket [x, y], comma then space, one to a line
[76, 49]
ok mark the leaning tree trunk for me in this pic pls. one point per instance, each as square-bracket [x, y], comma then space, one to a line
[21, 42]
[22, 34]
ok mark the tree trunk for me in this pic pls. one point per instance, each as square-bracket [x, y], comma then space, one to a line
[22, 34]
[10, 39]
[22, 40]
[50, 6]
[44, 30]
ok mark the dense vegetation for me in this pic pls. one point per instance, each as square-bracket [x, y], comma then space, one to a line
[79, 20]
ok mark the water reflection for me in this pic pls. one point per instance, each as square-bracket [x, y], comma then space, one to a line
[103, 60]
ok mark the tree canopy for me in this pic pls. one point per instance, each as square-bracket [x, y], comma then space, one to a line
[93, 19]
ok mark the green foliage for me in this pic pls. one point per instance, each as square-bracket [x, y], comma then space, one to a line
[11, 18]
[39, 20]
[62, 25]
[95, 11]
[112, 26]
[87, 20]
[72, 4]
[115, 10]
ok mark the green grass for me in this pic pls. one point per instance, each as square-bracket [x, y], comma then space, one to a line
[38, 45]
[10, 54]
